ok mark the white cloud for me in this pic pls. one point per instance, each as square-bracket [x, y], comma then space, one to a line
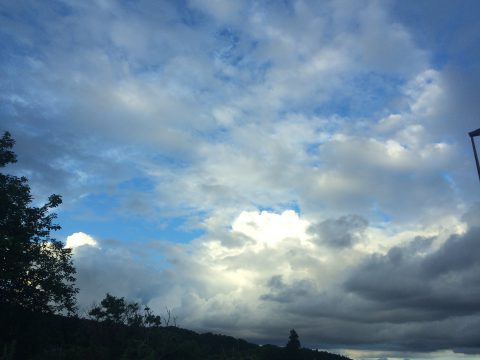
[269, 228]
[80, 239]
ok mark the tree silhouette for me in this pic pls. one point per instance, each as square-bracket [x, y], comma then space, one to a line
[36, 271]
[293, 345]
[111, 309]
[118, 311]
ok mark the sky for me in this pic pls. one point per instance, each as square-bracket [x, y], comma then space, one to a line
[257, 166]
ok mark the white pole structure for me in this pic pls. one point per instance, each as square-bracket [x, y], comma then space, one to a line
[472, 135]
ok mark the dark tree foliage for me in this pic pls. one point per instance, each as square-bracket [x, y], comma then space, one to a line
[41, 336]
[36, 271]
[293, 343]
[118, 311]
[293, 346]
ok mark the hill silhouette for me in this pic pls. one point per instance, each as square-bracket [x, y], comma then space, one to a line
[33, 335]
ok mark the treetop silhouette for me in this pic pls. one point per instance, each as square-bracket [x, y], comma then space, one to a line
[36, 271]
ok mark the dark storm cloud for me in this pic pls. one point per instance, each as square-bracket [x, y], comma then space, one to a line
[418, 297]
[441, 284]
[344, 231]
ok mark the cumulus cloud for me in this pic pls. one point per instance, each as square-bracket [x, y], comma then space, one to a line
[269, 228]
[213, 112]
[355, 296]
[80, 239]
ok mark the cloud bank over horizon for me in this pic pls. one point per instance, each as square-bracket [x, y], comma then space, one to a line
[258, 166]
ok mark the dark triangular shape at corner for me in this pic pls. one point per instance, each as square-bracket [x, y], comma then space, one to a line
[474, 133]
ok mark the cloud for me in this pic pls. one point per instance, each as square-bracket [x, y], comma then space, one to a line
[112, 267]
[228, 115]
[269, 228]
[111, 93]
[349, 295]
[80, 239]
[342, 232]
[420, 285]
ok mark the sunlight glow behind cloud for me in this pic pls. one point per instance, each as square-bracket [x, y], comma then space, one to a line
[270, 228]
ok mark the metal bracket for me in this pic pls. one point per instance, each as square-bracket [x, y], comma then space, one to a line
[472, 134]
